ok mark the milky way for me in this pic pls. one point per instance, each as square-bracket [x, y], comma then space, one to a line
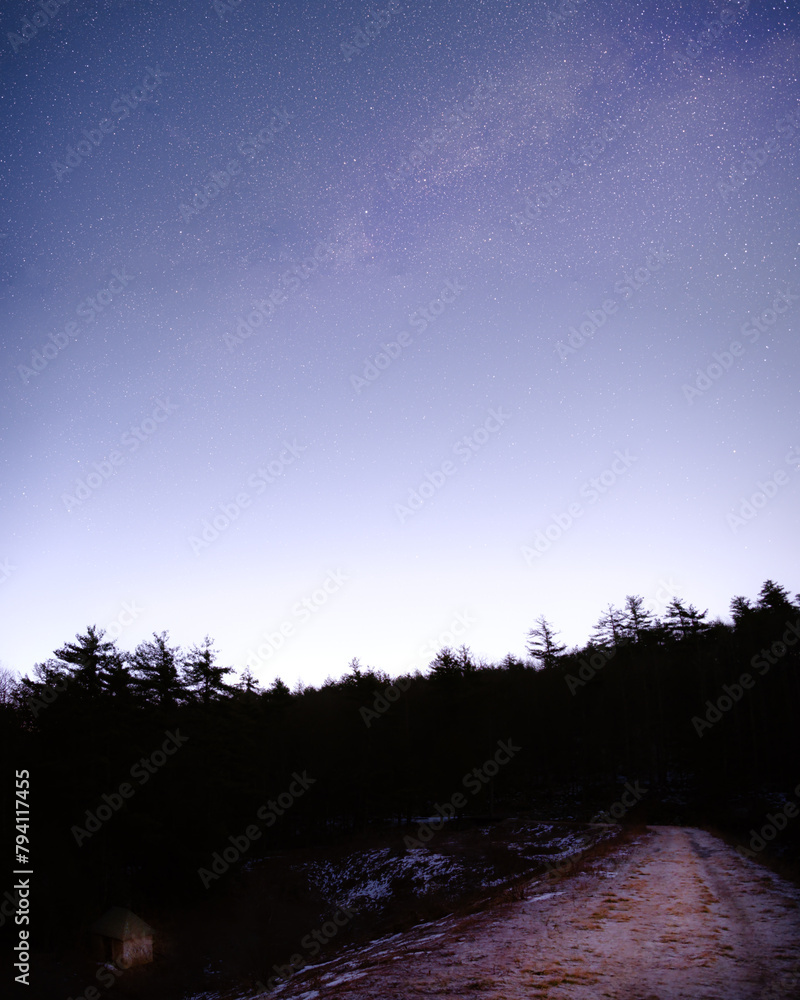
[333, 330]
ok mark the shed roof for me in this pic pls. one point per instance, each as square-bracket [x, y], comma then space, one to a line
[121, 924]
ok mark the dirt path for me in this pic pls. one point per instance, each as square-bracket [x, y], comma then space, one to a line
[677, 915]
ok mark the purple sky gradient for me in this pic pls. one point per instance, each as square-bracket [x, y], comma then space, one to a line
[424, 349]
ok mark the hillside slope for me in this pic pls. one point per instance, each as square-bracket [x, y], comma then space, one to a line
[676, 915]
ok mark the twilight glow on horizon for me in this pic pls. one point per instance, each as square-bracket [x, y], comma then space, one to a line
[338, 331]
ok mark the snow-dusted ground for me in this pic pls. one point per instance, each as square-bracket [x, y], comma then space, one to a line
[347, 883]
[677, 915]
[366, 880]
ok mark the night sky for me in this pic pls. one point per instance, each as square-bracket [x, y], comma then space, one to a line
[393, 327]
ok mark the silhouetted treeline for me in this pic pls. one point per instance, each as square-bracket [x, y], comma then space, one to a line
[144, 763]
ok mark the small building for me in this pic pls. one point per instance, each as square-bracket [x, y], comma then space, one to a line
[125, 939]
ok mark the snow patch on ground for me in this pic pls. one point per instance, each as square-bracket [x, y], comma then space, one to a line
[686, 918]
[366, 879]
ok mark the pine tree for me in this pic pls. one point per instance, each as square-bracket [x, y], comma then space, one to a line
[9, 682]
[119, 682]
[445, 664]
[278, 693]
[774, 599]
[636, 621]
[202, 674]
[465, 660]
[741, 610]
[542, 643]
[683, 621]
[355, 676]
[511, 662]
[248, 683]
[91, 660]
[156, 671]
[610, 628]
